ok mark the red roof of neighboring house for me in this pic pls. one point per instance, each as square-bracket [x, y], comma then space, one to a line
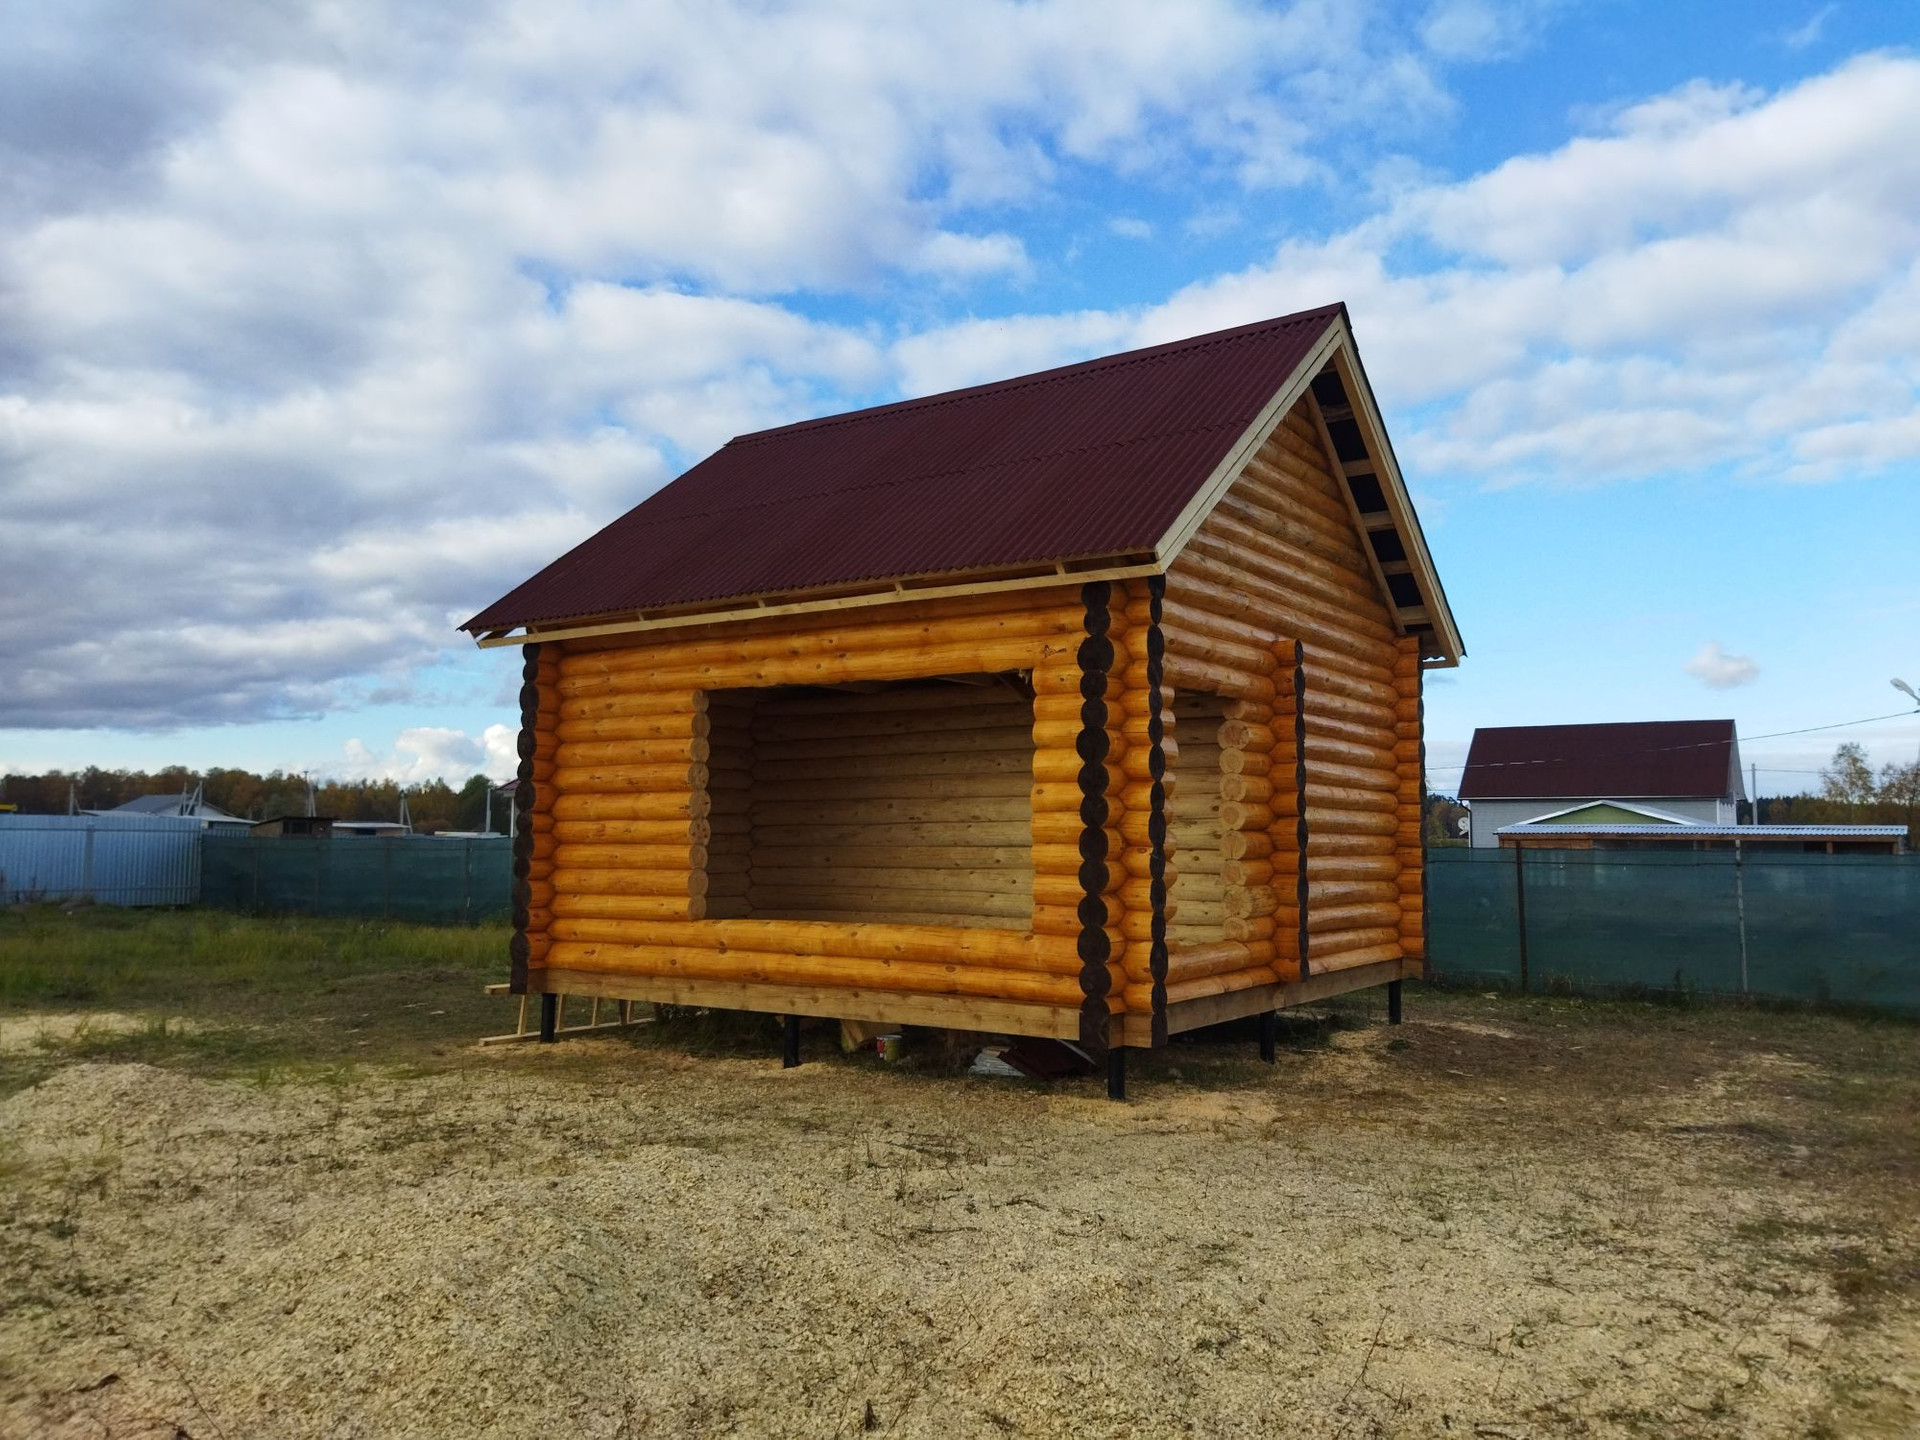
[1089, 460]
[1645, 759]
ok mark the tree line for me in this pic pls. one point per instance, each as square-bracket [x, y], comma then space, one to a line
[433, 805]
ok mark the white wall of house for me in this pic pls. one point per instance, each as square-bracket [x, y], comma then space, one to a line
[1489, 816]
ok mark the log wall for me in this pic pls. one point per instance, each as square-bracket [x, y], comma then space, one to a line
[1273, 605]
[661, 839]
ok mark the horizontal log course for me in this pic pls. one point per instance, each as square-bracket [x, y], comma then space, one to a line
[1296, 481]
[1203, 579]
[1244, 549]
[1355, 957]
[1261, 509]
[681, 805]
[1005, 786]
[1322, 725]
[1229, 656]
[998, 727]
[677, 725]
[628, 907]
[770, 874]
[790, 767]
[688, 750]
[943, 944]
[1325, 842]
[1331, 894]
[1334, 942]
[994, 837]
[681, 856]
[838, 896]
[1005, 860]
[1187, 673]
[1357, 777]
[1328, 749]
[1323, 797]
[1385, 866]
[629, 779]
[925, 977]
[630, 882]
[799, 646]
[904, 810]
[1206, 985]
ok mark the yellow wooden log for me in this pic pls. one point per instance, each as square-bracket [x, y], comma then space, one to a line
[629, 907]
[639, 806]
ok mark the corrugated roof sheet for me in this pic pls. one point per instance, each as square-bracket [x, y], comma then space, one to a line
[1087, 460]
[1648, 759]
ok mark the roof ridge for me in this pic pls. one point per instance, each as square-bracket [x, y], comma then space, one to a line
[1145, 354]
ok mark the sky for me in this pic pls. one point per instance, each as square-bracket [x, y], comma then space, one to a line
[323, 325]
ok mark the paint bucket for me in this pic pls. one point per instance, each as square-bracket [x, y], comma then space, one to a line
[889, 1047]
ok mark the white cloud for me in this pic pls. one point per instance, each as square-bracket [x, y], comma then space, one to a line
[1809, 33]
[319, 330]
[1714, 667]
[424, 753]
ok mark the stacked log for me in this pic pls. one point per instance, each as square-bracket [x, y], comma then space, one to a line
[1151, 758]
[675, 811]
[1280, 559]
[533, 843]
[1410, 756]
[1198, 896]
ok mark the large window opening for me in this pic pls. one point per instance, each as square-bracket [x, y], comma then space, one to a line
[1196, 831]
[905, 803]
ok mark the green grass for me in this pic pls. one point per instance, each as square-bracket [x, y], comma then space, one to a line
[240, 994]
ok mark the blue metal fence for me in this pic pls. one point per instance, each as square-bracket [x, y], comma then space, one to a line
[107, 859]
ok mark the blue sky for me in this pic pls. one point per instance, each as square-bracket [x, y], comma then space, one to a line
[321, 333]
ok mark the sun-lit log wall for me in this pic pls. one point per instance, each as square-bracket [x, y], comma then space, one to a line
[1278, 562]
[657, 841]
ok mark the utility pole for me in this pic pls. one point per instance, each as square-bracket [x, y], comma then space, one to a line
[1753, 789]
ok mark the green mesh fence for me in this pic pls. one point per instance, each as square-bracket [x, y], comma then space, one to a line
[412, 877]
[1841, 929]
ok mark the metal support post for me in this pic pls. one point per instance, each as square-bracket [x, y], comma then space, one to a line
[1117, 1073]
[1269, 1033]
[1393, 1002]
[790, 1042]
[549, 1017]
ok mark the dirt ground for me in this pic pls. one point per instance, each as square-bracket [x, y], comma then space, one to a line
[1506, 1218]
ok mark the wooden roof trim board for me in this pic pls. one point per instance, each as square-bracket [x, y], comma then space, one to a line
[1334, 353]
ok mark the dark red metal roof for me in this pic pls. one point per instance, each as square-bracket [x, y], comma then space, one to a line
[1646, 759]
[1087, 460]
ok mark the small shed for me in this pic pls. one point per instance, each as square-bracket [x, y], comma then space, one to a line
[1085, 704]
[277, 827]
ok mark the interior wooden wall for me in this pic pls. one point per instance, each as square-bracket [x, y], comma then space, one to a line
[906, 806]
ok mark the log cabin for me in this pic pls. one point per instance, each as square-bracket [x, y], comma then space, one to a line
[1085, 704]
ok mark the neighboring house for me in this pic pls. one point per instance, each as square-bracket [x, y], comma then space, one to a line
[188, 805]
[1650, 772]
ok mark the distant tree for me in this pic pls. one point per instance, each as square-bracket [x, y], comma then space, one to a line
[1848, 778]
[1900, 786]
[1441, 822]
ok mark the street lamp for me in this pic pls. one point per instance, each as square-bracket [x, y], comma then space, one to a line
[1908, 691]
